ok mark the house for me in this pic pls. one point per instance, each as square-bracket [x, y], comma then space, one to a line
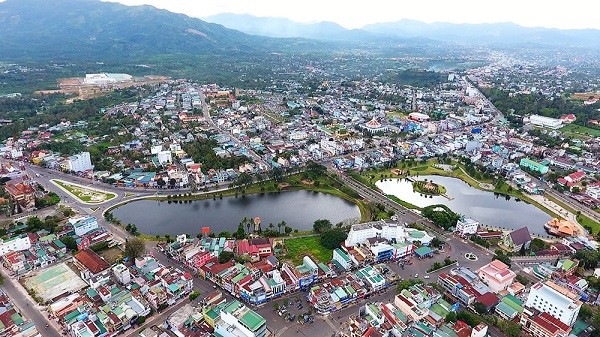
[22, 194]
[466, 226]
[90, 264]
[517, 239]
[496, 275]
[568, 118]
[541, 324]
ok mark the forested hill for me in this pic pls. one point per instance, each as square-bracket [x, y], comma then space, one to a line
[73, 29]
[520, 105]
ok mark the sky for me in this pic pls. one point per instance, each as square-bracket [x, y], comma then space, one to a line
[357, 13]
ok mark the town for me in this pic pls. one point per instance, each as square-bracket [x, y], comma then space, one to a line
[457, 209]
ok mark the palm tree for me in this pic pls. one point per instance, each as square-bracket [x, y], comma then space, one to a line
[279, 227]
[271, 226]
[282, 224]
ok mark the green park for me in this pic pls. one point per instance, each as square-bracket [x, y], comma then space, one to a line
[84, 194]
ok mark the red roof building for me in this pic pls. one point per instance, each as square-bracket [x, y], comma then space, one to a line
[90, 261]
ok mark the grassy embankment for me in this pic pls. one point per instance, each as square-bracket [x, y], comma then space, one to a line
[311, 246]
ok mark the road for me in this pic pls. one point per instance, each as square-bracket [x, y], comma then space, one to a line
[576, 205]
[27, 307]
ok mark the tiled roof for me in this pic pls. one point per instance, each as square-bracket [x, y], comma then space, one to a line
[91, 261]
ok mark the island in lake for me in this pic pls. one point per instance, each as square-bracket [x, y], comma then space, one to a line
[428, 187]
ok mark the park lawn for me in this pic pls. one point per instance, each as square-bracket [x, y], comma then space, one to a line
[587, 222]
[579, 130]
[85, 198]
[311, 246]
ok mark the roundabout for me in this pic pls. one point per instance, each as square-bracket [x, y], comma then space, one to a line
[471, 257]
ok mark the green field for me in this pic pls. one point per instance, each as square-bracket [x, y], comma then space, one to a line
[310, 246]
[579, 130]
[84, 194]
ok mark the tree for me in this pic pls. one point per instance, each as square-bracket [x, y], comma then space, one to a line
[538, 244]
[69, 242]
[522, 279]
[224, 234]
[1, 279]
[509, 328]
[134, 247]
[287, 230]
[194, 294]
[333, 238]
[321, 225]
[437, 243]
[225, 256]
[450, 317]
[480, 308]
[471, 319]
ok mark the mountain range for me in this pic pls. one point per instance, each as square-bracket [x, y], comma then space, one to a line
[474, 34]
[95, 29]
[286, 28]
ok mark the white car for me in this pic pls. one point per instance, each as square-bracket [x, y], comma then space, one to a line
[426, 276]
[416, 275]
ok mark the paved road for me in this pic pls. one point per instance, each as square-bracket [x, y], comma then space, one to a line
[27, 307]
[574, 204]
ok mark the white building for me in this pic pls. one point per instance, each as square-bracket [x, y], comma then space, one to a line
[106, 78]
[390, 231]
[593, 191]
[79, 162]
[15, 244]
[342, 259]
[557, 301]
[547, 122]
[84, 224]
[155, 149]
[466, 226]
[236, 320]
[122, 273]
[165, 157]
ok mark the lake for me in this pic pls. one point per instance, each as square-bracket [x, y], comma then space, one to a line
[486, 207]
[299, 209]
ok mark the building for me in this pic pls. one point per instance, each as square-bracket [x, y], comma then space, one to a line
[21, 194]
[392, 232]
[164, 157]
[122, 273]
[466, 226]
[547, 122]
[496, 275]
[518, 239]
[341, 259]
[14, 244]
[91, 265]
[83, 225]
[533, 165]
[542, 324]
[106, 78]
[236, 320]
[419, 117]
[79, 163]
[557, 301]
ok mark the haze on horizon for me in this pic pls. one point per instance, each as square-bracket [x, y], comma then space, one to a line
[575, 14]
